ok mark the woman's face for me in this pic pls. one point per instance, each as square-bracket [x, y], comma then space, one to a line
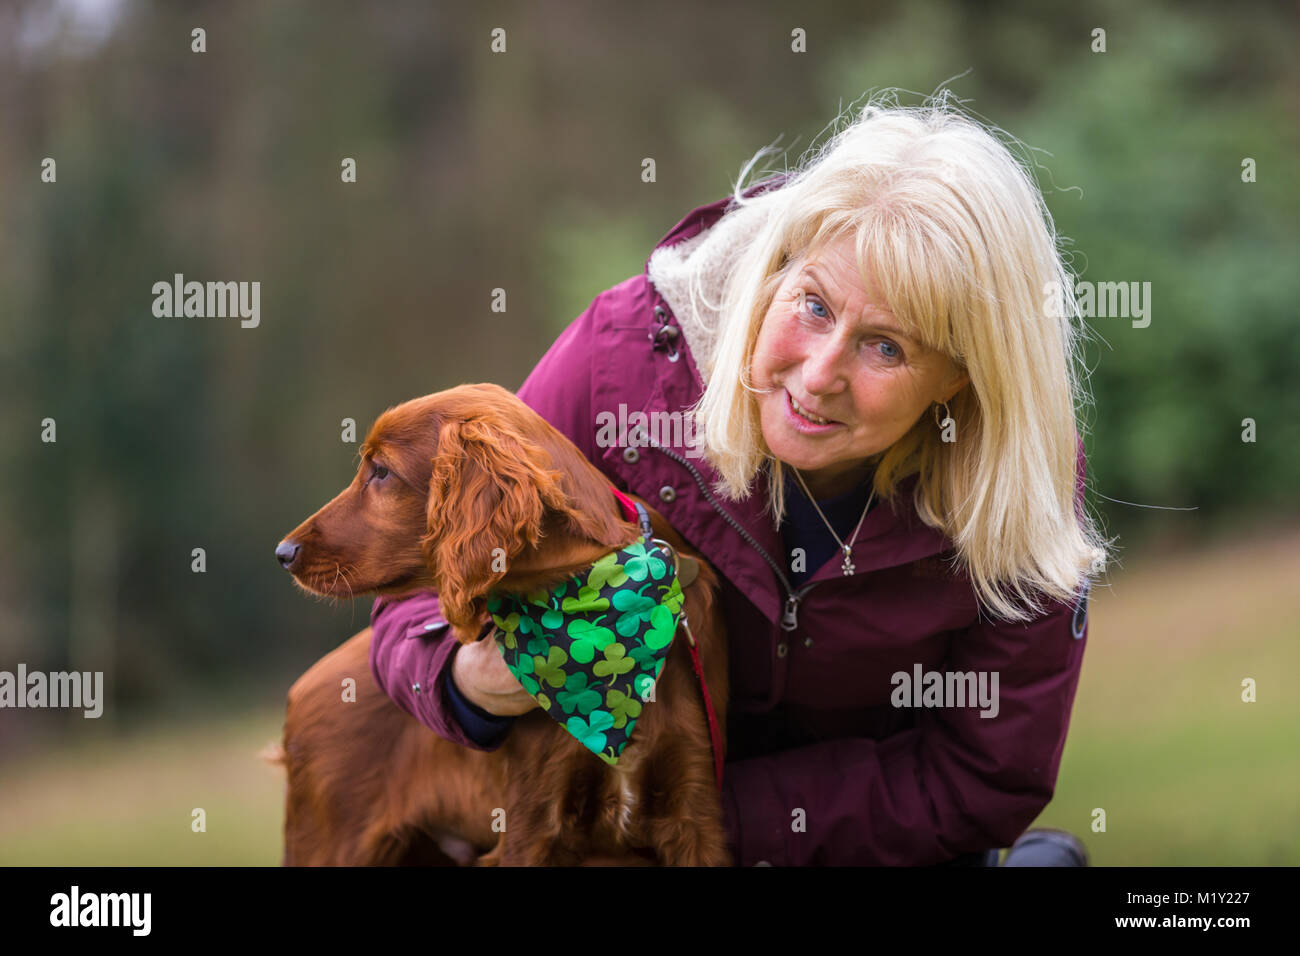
[830, 350]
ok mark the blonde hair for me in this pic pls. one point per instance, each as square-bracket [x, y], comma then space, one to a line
[963, 251]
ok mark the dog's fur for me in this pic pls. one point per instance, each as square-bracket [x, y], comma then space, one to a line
[469, 470]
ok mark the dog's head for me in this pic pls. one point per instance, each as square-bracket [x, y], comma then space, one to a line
[462, 491]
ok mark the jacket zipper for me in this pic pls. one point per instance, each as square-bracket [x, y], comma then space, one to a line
[790, 617]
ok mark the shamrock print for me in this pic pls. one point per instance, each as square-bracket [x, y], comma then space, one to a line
[672, 597]
[578, 696]
[551, 667]
[662, 628]
[621, 706]
[642, 685]
[616, 662]
[643, 563]
[506, 624]
[591, 732]
[636, 607]
[587, 639]
[606, 571]
[522, 668]
[588, 599]
[643, 654]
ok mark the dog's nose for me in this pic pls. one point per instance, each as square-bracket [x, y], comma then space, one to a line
[287, 552]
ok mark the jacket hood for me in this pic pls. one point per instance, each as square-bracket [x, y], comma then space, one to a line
[689, 267]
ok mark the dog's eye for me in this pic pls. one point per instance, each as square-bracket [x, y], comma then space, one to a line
[380, 472]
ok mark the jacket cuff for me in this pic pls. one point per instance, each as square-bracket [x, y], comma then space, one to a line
[485, 729]
[411, 647]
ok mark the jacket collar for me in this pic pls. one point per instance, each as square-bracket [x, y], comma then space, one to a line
[690, 265]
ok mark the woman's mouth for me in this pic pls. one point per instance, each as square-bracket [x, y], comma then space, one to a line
[805, 420]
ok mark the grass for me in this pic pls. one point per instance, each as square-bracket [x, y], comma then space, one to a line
[1186, 773]
[131, 803]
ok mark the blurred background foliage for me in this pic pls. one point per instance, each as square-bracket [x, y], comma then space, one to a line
[522, 171]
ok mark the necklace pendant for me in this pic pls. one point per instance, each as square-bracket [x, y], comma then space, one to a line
[848, 565]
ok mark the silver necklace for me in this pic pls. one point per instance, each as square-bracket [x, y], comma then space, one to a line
[847, 567]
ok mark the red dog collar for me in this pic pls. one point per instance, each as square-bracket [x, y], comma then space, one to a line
[634, 512]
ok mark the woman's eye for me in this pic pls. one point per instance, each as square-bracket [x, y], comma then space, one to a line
[811, 305]
[890, 351]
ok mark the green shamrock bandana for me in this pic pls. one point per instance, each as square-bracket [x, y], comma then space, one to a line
[590, 649]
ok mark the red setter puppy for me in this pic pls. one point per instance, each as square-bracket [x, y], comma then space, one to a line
[443, 481]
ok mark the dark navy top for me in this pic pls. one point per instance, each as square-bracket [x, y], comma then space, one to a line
[485, 729]
[803, 528]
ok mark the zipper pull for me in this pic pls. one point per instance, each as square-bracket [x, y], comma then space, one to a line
[790, 619]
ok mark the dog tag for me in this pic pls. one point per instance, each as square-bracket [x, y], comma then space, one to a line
[688, 569]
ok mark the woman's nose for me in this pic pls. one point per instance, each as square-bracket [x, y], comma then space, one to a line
[823, 367]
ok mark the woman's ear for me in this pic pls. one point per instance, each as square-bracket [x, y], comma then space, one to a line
[959, 380]
[488, 493]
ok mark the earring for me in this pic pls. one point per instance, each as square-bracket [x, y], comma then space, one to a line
[946, 414]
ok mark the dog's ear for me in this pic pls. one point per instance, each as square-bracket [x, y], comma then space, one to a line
[488, 493]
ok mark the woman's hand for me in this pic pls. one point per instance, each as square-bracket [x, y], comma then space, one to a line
[481, 676]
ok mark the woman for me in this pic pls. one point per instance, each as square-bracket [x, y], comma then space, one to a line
[889, 482]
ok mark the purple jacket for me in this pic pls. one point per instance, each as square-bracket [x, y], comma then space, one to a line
[821, 768]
